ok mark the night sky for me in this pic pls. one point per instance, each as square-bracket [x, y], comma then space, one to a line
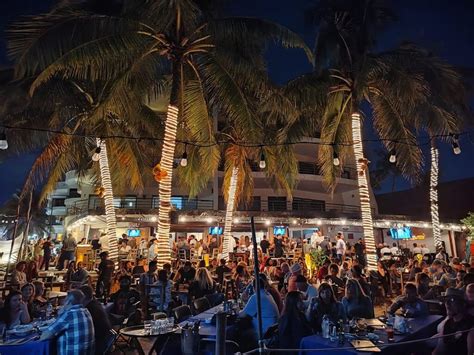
[444, 27]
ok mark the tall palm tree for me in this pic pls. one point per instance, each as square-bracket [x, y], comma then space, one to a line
[188, 41]
[392, 83]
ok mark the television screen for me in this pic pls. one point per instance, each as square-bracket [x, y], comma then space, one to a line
[401, 233]
[279, 230]
[134, 232]
[216, 230]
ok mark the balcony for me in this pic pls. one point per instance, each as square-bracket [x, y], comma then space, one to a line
[274, 205]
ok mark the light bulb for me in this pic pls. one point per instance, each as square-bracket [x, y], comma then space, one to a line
[184, 160]
[96, 155]
[336, 161]
[262, 163]
[3, 141]
[456, 148]
[393, 157]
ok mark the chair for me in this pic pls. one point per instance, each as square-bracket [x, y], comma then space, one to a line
[215, 299]
[208, 346]
[110, 340]
[201, 304]
[182, 313]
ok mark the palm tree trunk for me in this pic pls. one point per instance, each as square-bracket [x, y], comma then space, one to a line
[167, 158]
[434, 196]
[230, 212]
[27, 228]
[15, 229]
[364, 194]
[110, 217]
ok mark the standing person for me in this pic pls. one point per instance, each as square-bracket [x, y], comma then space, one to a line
[153, 249]
[106, 272]
[69, 249]
[264, 244]
[146, 279]
[161, 292]
[47, 246]
[104, 242]
[95, 242]
[359, 248]
[394, 249]
[74, 328]
[221, 270]
[142, 248]
[100, 319]
[38, 252]
[278, 246]
[416, 249]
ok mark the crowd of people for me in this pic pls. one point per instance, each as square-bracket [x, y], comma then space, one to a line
[294, 299]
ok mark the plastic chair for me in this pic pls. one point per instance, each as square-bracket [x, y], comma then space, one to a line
[201, 304]
[182, 313]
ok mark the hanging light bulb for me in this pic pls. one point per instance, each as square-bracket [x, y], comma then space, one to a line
[456, 148]
[184, 159]
[335, 159]
[393, 157]
[96, 155]
[3, 141]
[262, 163]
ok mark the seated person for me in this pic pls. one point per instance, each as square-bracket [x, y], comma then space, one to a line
[325, 304]
[409, 304]
[39, 302]
[100, 319]
[124, 301]
[270, 312]
[308, 291]
[356, 303]
[169, 272]
[160, 292]
[202, 285]
[80, 276]
[14, 311]
[292, 325]
[458, 323]
[139, 268]
[324, 270]
[185, 274]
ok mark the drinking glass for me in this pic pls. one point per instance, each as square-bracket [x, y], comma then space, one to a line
[147, 326]
[390, 333]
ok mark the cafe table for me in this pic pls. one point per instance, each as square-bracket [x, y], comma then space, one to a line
[138, 332]
[206, 329]
[421, 327]
[27, 346]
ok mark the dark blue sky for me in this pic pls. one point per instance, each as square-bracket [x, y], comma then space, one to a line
[442, 26]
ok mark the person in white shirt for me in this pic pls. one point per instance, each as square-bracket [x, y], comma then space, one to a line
[104, 242]
[309, 291]
[340, 246]
[394, 249]
[416, 249]
[385, 250]
[424, 249]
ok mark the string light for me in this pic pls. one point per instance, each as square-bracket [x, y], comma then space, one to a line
[262, 164]
[96, 155]
[3, 141]
[393, 157]
[335, 159]
[434, 197]
[184, 158]
[229, 212]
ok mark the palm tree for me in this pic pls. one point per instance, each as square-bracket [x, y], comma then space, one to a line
[187, 42]
[392, 83]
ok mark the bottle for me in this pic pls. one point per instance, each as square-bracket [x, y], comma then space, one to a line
[49, 310]
[325, 327]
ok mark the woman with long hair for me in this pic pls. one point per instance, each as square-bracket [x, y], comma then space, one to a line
[241, 277]
[356, 303]
[292, 325]
[31, 271]
[15, 311]
[71, 269]
[19, 274]
[325, 304]
[28, 295]
[202, 285]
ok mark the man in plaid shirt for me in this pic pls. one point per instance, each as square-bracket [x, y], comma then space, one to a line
[74, 328]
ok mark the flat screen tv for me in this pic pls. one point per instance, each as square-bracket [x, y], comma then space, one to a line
[215, 230]
[401, 232]
[134, 233]
[279, 230]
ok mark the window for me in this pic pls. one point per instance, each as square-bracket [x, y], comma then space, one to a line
[57, 202]
[301, 204]
[73, 193]
[253, 205]
[129, 202]
[276, 203]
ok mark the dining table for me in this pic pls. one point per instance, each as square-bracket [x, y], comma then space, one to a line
[25, 340]
[159, 340]
[419, 328]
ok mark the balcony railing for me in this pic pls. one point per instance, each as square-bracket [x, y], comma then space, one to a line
[275, 205]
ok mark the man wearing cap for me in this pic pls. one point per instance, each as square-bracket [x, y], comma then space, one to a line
[340, 246]
[456, 331]
[295, 270]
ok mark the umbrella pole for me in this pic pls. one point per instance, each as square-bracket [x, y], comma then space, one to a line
[257, 278]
